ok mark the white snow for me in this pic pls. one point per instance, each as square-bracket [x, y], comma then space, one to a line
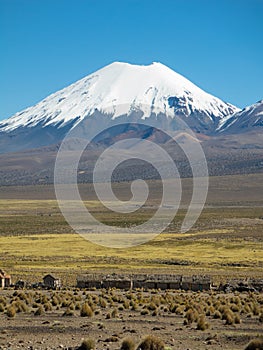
[251, 111]
[118, 89]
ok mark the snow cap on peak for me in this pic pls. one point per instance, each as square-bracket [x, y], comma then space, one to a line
[152, 88]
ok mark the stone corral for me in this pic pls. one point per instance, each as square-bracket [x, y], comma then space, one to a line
[126, 282]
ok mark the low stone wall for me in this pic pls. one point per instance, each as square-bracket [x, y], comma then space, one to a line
[163, 282]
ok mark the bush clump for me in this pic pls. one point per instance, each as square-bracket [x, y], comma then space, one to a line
[237, 319]
[20, 306]
[229, 317]
[151, 343]
[87, 344]
[39, 311]
[2, 307]
[68, 312]
[255, 344]
[145, 312]
[114, 313]
[86, 311]
[202, 325]
[127, 344]
[191, 316]
[11, 311]
[217, 315]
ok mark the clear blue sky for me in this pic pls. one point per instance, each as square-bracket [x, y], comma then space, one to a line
[47, 44]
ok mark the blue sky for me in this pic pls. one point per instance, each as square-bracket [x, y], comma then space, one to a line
[48, 44]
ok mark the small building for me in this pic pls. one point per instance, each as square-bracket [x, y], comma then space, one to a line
[5, 279]
[50, 281]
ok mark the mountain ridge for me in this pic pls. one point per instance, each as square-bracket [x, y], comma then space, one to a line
[248, 118]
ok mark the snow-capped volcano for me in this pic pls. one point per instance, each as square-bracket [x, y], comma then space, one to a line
[119, 89]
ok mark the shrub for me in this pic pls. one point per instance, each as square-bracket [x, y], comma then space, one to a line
[202, 325]
[87, 344]
[173, 308]
[3, 300]
[20, 306]
[191, 316]
[229, 317]
[234, 308]
[255, 344]
[261, 317]
[2, 307]
[126, 304]
[151, 343]
[86, 311]
[134, 306]
[77, 306]
[48, 306]
[127, 344]
[210, 311]
[180, 310]
[246, 309]
[112, 339]
[43, 299]
[255, 309]
[55, 301]
[114, 313]
[92, 305]
[11, 311]
[237, 319]
[217, 315]
[65, 303]
[152, 306]
[68, 312]
[145, 312]
[102, 303]
[39, 311]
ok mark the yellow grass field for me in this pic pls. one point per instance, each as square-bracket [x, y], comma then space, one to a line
[225, 242]
[33, 255]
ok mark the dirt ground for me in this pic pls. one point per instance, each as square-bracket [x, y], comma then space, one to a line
[54, 330]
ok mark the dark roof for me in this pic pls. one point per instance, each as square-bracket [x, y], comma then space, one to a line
[52, 276]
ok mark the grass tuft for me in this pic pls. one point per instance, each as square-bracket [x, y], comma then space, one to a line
[87, 344]
[151, 343]
[255, 344]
